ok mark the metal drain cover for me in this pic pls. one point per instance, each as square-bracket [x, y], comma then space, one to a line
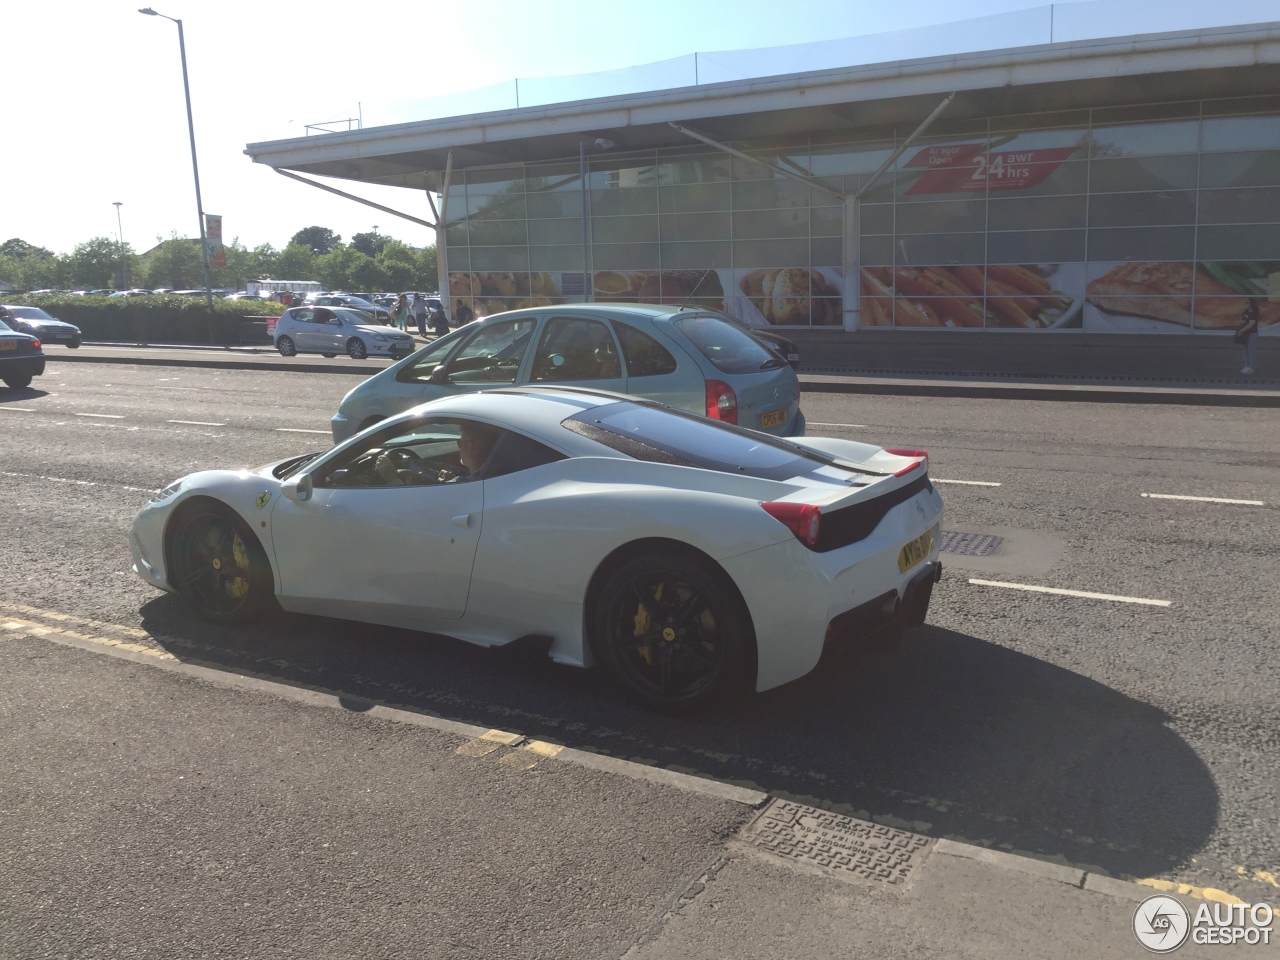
[970, 544]
[847, 848]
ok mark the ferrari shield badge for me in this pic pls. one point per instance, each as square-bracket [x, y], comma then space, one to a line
[263, 499]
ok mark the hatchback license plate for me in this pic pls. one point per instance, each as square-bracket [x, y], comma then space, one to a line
[8, 345]
[773, 418]
[915, 551]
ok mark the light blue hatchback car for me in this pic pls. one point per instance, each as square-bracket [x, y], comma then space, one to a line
[692, 359]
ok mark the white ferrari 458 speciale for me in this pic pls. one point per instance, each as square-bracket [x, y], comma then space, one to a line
[691, 558]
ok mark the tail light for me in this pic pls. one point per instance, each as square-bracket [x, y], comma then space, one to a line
[722, 402]
[803, 519]
[922, 462]
[35, 345]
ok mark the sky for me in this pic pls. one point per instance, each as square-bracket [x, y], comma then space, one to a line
[94, 110]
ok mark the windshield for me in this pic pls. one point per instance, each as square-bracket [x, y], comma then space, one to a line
[357, 302]
[30, 313]
[663, 435]
[729, 348]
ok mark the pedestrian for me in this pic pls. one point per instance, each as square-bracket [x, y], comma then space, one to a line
[420, 313]
[286, 298]
[1247, 336]
[400, 312]
[439, 322]
[463, 313]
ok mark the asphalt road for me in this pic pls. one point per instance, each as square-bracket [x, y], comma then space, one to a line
[1132, 739]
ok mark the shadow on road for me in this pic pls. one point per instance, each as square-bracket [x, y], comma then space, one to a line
[948, 735]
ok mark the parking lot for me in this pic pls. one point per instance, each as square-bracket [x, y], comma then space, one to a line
[1098, 690]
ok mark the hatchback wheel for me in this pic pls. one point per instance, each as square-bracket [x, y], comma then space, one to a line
[672, 633]
[356, 349]
[17, 381]
[74, 345]
[329, 355]
[286, 347]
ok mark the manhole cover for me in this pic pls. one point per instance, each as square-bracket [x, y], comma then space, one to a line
[970, 544]
[850, 849]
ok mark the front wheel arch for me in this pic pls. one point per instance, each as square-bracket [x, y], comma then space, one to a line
[196, 504]
[628, 551]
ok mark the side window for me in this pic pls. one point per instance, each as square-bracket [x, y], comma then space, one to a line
[516, 452]
[576, 349]
[494, 354]
[421, 369]
[302, 316]
[323, 316]
[426, 451]
[646, 357]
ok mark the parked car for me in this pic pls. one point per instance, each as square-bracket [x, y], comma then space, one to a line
[784, 347]
[135, 292]
[693, 559]
[40, 324]
[349, 301]
[241, 296]
[21, 357]
[691, 359]
[330, 331]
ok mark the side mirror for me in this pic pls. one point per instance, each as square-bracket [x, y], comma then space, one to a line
[557, 360]
[298, 488]
[440, 374]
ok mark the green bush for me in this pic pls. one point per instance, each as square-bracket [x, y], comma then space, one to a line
[155, 319]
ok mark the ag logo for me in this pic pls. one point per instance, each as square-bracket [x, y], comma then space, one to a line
[263, 499]
[1161, 924]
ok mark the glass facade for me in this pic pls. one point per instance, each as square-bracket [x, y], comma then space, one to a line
[1148, 219]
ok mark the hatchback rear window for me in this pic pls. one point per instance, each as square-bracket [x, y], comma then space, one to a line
[663, 435]
[729, 349]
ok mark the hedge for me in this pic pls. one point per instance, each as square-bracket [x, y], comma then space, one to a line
[160, 318]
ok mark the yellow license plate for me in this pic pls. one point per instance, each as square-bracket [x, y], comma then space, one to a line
[8, 345]
[915, 551]
[773, 418]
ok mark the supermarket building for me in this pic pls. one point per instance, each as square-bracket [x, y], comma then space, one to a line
[1096, 207]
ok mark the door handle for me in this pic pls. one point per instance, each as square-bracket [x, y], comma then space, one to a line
[462, 520]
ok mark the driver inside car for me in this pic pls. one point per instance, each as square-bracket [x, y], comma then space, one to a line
[475, 443]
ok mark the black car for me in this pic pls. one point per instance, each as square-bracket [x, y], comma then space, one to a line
[20, 358]
[40, 325]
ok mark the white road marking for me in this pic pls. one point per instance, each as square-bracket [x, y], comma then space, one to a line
[858, 426]
[198, 423]
[1073, 593]
[296, 430]
[79, 483]
[18, 409]
[1177, 496]
[969, 483]
[103, 416]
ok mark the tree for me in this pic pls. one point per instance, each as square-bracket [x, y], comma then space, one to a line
[95, 262]
[321, 240]
[429, 268]
[400, 266]
[297, 261]
[176, 263]
[338, 269]
[16, 249]
[370, 244]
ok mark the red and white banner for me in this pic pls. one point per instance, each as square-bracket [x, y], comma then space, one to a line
[964, 168]
[216, 253]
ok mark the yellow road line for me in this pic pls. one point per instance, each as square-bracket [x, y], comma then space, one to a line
[1211, 894]
[40, 630]
[26, 611]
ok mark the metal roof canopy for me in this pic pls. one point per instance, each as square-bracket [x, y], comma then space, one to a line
[852, 103]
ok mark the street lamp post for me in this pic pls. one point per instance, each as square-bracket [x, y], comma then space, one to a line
[120, 243]
[195, 169]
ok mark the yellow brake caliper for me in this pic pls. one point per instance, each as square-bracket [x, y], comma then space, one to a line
[239, 586]
[642, 626]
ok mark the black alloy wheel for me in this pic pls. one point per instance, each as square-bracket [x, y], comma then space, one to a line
[356, 349]
[219, 566]
[672, 633]
[286, 347]
[16, 381]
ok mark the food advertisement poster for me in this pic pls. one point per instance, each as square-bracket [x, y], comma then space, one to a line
[1033, 296]
[1178, 297]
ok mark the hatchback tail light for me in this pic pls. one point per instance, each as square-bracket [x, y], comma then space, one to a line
[922, 462]
[722, 402]
[803, 519]
[35, 345]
